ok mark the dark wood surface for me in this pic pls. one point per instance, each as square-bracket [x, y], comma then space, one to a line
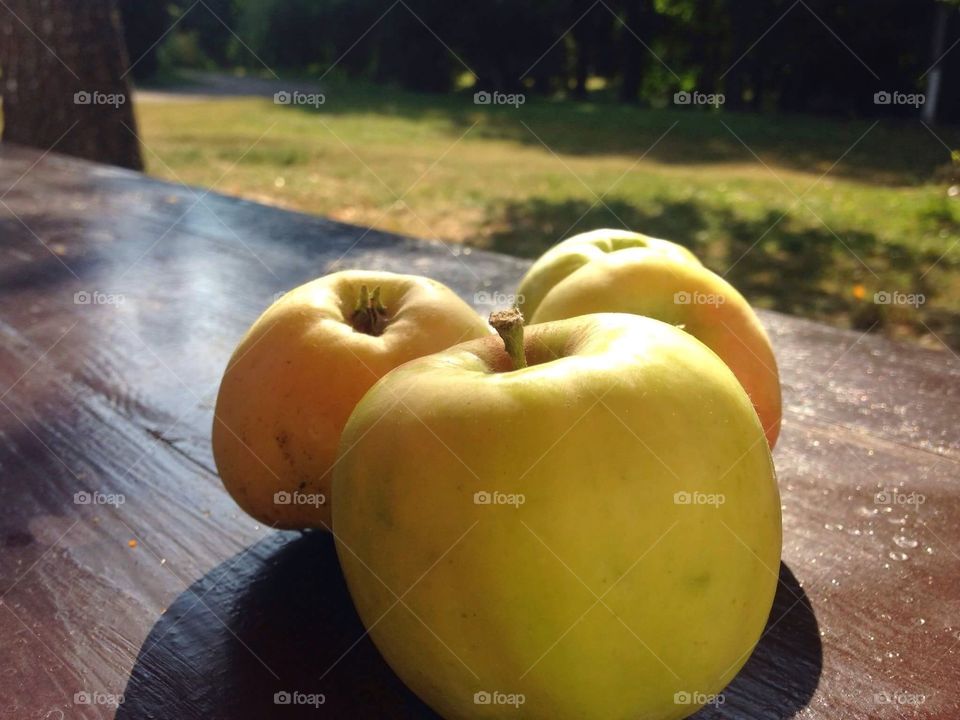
[188, 608]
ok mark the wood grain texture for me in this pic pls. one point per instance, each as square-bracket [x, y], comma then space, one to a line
[191, 610]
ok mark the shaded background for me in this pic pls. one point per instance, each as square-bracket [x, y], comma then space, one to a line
[819, 173]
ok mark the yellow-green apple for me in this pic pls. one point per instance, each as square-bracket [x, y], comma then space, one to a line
[573, 253]
[299, 371]
[682, 293]
[595, 536]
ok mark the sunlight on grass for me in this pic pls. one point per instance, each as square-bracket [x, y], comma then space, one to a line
[747, 193]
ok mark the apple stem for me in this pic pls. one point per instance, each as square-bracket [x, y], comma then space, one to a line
[509, 325]
[370, 315]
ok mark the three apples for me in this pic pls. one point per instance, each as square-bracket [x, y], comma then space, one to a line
[579, 516]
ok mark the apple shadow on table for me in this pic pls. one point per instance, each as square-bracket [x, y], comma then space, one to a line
[276, 622]
[783, 672]
[277, 618]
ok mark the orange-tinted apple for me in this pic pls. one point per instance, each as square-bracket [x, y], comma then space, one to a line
[299, 371]
[684, 294]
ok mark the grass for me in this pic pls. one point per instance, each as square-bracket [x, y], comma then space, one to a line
[805, 215]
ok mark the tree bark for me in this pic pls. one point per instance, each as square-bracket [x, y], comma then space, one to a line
[633, 53]
[64, 80]
[581, 36]
[929, 112]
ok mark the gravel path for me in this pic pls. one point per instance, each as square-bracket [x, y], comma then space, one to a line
[210, 85]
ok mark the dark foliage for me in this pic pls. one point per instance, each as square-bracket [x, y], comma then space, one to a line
[814, 56]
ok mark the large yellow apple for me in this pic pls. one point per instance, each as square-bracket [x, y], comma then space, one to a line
[595, 536]
[299, 371]
[573, 253]
[682, 293]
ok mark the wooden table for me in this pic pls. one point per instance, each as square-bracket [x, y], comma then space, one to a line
[121, 298]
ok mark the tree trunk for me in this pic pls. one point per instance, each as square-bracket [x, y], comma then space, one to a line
[64, 80]
[581, 36]
[633, 53]
[733, 76]
[935, 76]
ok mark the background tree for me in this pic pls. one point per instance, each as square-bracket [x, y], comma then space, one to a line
[935, 74]
[820, 56]
[638, 27]
[64, 83]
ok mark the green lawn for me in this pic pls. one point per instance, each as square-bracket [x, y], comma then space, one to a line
[794, 211]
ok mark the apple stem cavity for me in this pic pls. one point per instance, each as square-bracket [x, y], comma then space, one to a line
[509, 325]
[370, 315]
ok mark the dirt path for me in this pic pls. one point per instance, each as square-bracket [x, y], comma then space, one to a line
[211, 86]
